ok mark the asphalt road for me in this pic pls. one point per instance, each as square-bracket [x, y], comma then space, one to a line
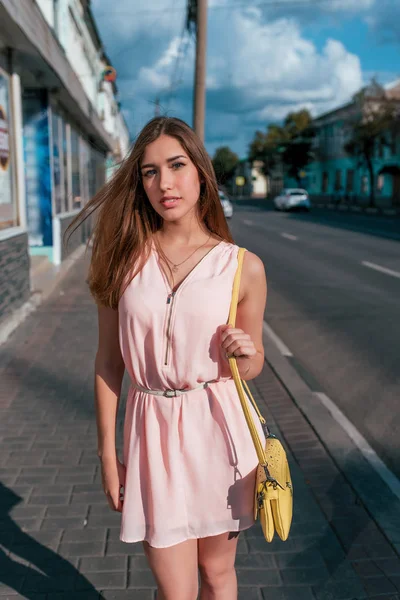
[335, 309]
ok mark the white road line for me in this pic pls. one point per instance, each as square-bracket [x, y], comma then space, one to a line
[247, 222]
[289, 236]
[381, 269]
[366, 450]
[283, 349]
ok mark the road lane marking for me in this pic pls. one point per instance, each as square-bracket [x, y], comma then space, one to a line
[381, 269]
[289, 236]
[283, 349]
[247, 222]
[366, 450]
[364, 447]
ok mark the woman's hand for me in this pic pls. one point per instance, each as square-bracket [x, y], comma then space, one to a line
[235, 342]
[113, 479]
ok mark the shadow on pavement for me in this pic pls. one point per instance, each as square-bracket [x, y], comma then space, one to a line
[42, 570]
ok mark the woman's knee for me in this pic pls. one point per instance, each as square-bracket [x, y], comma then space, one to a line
[215, 573]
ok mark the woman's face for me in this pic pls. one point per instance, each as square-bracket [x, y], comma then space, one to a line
[170, 179]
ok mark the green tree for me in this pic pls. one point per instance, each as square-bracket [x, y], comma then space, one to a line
[298, 153]
[289, 144]
[375, 116]
[225, 162]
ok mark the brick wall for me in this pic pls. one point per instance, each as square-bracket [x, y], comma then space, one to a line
[14, 273]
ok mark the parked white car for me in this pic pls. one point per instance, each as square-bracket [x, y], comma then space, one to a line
[291, 199]
[226, 205]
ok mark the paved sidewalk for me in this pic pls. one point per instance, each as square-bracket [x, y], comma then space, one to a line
[59, 540]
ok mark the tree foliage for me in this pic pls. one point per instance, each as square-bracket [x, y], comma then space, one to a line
[288, 144]
[225, 162]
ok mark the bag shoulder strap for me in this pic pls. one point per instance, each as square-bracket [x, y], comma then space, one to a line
[241, 386]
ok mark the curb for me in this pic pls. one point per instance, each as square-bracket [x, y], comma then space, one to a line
[38, 296]
[378, 498]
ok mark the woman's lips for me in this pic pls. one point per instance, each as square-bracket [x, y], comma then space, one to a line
[170, 202]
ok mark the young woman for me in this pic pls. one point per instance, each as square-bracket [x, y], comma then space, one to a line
[161, 272]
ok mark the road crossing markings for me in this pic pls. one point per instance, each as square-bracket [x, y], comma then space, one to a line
[289, 236]
[381, 269]
[247, 222]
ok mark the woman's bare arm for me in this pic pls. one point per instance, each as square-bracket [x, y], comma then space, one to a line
[245, 339]
[109, 372]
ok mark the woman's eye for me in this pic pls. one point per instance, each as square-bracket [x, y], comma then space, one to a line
[178, 165]
[149, 173]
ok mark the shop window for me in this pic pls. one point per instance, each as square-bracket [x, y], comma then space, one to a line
[66, 147]
[75, 171]
[8, 204]
[58, 163]
[380, 182]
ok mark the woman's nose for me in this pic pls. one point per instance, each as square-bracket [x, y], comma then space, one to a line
[166, 180]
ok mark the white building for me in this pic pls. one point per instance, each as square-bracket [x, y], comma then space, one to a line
[60, 129]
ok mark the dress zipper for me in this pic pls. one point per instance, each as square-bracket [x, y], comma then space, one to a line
[170, 302]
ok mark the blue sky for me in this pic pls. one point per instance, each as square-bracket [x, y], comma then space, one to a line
[265, 58]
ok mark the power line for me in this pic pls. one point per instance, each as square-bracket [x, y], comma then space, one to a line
[177, 79]
[283, 4]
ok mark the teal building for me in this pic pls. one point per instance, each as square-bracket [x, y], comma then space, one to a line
[335, 177]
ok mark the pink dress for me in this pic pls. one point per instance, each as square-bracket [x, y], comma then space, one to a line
[190, 461]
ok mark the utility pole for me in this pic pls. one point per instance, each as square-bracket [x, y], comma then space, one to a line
[199, 107]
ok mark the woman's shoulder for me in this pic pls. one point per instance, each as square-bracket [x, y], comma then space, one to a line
[253, 266]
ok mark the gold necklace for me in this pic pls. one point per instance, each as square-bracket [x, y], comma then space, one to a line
[175, 266]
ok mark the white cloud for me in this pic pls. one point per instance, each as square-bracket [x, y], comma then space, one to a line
[257, 70]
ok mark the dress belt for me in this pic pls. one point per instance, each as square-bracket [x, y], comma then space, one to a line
[172, 393]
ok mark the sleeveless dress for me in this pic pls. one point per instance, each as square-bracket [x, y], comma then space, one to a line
[190, 461]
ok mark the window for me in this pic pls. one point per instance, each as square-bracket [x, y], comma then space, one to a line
[338, 180]
[8, 204]
[65, 146]
[350, 180]
[324, 182]
[58, 175]
[364, 184]
[380, 182]
[75, 171]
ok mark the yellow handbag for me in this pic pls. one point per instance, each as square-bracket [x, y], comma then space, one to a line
[273, 486]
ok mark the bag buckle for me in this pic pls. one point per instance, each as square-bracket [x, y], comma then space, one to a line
[270, 479]
[170, 393]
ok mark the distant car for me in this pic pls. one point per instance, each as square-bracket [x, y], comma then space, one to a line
[293, 199]
[226, 205]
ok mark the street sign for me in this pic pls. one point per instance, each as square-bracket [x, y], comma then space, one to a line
[240, 181]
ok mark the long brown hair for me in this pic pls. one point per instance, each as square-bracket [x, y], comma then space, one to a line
[126, 221]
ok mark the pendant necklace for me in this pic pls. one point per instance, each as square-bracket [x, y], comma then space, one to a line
[175, 266]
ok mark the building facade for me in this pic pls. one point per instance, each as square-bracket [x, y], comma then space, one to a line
[336, 177]
[61, 133]
[255, 183]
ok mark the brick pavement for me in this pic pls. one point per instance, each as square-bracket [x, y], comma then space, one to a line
[59, 540]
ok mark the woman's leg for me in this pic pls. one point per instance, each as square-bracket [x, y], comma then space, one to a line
[175, 570]
[217, 567]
